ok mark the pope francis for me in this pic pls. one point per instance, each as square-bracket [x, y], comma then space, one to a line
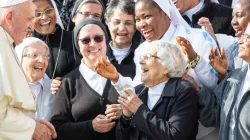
[17, 102]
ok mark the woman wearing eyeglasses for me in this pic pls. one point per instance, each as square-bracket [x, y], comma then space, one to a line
[86, 104]
[33, 55]
[227, 107]
[119, 17]
[64, 57]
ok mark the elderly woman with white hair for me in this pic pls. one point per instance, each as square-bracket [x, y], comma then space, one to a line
[33, 55]
[164, 106]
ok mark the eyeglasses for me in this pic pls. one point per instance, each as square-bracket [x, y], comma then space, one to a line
[86, 14]
[36, 56]
[97, 39]
[125, 23]
[45, 12]
[148, 56]
[245, 38]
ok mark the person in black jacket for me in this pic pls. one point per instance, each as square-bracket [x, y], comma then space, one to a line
[219, 15]
[63, 55]
[119, 17]
[164, 106]
[85, 107]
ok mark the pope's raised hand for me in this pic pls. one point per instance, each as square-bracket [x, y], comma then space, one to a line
[106, 69]
[186, 48]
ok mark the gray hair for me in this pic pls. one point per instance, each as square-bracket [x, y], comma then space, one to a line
[84, 2]
[171, 57]
[23, 47]
[126, 6]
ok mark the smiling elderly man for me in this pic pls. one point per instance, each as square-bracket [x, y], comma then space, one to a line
[17, 103]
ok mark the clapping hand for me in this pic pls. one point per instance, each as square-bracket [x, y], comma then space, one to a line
[106, 69]
[102, 124]
[113, 111]
[207, 26]
[186, 48]
[129, 100]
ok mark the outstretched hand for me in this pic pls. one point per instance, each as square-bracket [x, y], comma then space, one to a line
[219, 63]
[186, 48]
[106, 69]
[207, 26]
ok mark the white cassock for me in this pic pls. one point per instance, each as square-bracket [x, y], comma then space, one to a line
[17, 103]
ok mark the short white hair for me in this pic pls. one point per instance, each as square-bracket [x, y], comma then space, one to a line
[171, 57]
[23, 47]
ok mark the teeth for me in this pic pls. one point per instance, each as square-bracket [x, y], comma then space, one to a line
[94, 51]
[45, 23]
[121, 34]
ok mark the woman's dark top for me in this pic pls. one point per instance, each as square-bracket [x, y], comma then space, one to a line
[76, 105]
[127, 66]
[69, 57]
[174, 116]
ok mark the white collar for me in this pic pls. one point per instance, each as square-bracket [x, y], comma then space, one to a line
[158, 88]
[194, 10]
[169, 33]
[37, 82]
[119, 49]
[86, 72]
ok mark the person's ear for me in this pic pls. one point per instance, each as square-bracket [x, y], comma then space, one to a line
[74, 19]
[8, 17]
[166, 72]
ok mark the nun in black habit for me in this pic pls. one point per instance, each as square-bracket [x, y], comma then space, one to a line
[85, 106]
[48, 27]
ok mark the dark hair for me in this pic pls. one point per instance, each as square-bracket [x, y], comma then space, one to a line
[126, 6]
[49, 1]
[150, 2]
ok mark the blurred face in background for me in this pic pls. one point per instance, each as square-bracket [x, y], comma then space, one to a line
[151, 21]
[45, 18]
[241, 17]
[88, 10]
[122, 28]
[244, 45]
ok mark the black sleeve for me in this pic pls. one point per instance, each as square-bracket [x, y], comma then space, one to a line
[182, 120]
[66, 127]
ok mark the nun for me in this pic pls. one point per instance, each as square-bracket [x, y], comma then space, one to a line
[33, 55]
[85, 9]
[48, 27]
[164, 106]
[86, 104]
[195, 43]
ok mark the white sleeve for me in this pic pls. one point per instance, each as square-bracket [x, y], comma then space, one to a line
[14, 123]
[127, 81]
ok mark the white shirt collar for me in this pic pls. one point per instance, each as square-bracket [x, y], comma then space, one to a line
[169, 33]
[37, 82]
[119, 53]
[94, 80]
[194, 10]
[154, 94]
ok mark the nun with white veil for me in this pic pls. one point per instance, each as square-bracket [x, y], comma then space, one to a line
[48, 27]
[160, 20]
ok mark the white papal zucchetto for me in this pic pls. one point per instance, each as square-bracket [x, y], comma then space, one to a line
[8, 3]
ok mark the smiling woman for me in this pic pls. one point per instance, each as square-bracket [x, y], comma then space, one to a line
[64, 57]
[84, 96]
[119, 17]
[33, 55]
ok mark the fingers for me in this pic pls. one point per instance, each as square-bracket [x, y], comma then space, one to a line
[55, 85]
[223, 53]
[51, 127]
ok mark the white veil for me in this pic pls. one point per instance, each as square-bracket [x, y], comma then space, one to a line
[58, 18]
[169, 8]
